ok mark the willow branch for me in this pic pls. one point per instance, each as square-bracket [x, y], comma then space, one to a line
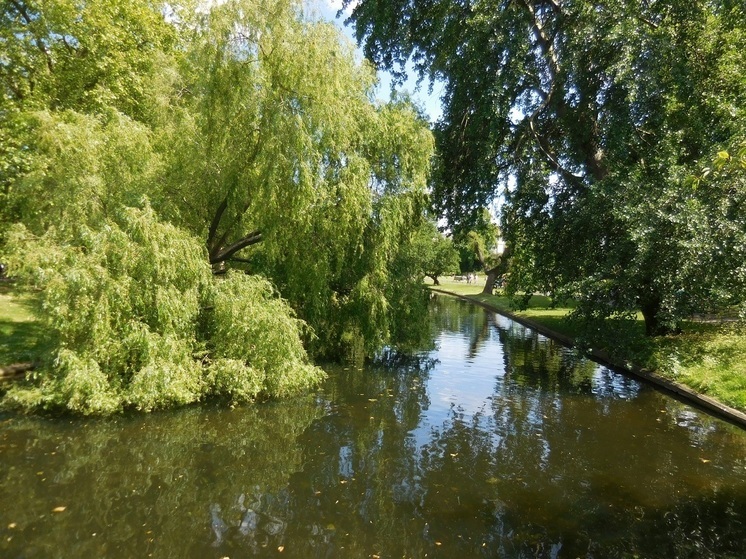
[252, 238]
[216, 222]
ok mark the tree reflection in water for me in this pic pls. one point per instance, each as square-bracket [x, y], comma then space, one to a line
[496, 444]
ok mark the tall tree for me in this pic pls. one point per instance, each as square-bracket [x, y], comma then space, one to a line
[591, 114]
[430, 253]
[479, 249]
[245, 125]
[280, 159]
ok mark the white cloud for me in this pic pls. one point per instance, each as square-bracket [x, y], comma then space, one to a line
[336, 5]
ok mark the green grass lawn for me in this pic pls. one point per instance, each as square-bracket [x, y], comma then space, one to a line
[708, 357]
[21, 337]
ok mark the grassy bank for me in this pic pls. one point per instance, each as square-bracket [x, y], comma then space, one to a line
[21, 337]
[709, 357]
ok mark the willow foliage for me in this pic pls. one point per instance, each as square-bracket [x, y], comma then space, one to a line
[84, 168]
[287, 167]
[255, 341]
[125, 306]
[254, 133]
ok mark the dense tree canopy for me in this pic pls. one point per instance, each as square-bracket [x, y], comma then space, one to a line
[276, 142]
[588, 118]
[135, 320]
[62, 54]
[431, 253]
[244, 133]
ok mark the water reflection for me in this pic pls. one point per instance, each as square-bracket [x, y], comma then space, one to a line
[497, 444]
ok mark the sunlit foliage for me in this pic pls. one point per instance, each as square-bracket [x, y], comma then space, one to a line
[255, 341]
[126, 306]
[254, 135]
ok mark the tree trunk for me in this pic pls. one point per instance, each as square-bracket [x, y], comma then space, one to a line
[16, 371]
[219, 254]
[650, 314]
[434, 278]
[489, 284]
[654, 326]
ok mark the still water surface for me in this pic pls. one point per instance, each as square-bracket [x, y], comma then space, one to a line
[495, 442]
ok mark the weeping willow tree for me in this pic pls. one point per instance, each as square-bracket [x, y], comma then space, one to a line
[285, 166]
[136, 320]
[163, 214]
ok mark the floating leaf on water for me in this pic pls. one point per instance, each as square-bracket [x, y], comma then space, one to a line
[704, 460]
[12, 525]
[281, 548]
[438, 543]
[58, 509]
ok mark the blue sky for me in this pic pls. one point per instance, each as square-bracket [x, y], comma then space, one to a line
[327, 9]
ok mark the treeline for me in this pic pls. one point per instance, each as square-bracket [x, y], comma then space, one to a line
[199, 195]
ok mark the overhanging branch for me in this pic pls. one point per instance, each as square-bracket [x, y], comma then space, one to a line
[223, 254]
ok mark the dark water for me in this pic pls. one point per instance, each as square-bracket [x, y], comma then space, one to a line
[496, 444]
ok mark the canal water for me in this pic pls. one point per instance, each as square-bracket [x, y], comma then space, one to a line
[492, 442]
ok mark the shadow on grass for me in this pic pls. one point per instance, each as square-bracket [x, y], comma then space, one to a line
[22, 341]
[723, 344]
[21, 337]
